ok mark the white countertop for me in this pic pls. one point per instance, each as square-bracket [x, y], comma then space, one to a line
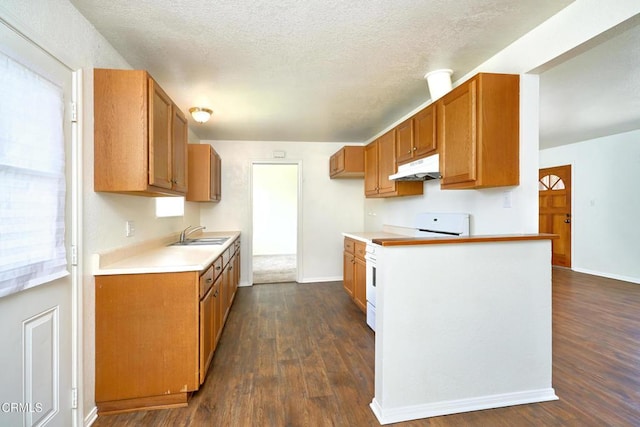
[159, 257]
[368, 236]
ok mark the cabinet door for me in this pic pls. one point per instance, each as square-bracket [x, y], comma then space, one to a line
[138, 317]
[232, 279]
[405, 141]
[236, 269]
[179, 151]
[159, 137]
[386, 162]
[457, 133]
[217, 310]
[348, 268]
[360, 284]
[337, 163]
[207, 337]
[371, 169]
[424, 133]
[226, 294]
[216, 177]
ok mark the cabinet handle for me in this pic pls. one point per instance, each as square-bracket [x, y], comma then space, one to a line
[415, 148]
[409, 152]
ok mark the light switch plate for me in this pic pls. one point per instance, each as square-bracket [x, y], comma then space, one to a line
[130, 228]
[506, 199]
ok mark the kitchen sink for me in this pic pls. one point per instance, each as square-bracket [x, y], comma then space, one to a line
[203, 241]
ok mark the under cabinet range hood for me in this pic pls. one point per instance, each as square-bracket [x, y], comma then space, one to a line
[418, 170]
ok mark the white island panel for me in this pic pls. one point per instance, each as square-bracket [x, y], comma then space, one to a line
[462, 327]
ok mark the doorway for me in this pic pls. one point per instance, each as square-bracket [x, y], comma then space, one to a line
[275, 196]
[555, 211]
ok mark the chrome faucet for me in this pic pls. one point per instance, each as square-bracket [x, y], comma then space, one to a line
[190, 229]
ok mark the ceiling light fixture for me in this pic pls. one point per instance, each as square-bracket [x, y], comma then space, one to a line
[200, 114]
[439, 82]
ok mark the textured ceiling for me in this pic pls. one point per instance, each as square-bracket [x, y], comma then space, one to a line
[312, 70]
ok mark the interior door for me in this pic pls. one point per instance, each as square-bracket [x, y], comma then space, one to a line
[555, 211]
[36, 333]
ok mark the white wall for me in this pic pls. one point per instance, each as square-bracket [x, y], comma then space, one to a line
[605, 202]
[275, 209]
[329, 207]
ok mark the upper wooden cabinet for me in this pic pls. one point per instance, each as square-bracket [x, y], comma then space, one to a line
[478, 133]
[140, 136]
[386, 162]
[348, 162]
[416, 137]
[404, 141]
[204, 174]
[380, 162]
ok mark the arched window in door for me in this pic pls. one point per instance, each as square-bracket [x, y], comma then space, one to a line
[551, 182]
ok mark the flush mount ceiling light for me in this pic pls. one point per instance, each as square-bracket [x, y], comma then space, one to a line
[200, 114]
[439, 82]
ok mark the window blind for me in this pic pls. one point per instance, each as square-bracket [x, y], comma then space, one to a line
[32, 179]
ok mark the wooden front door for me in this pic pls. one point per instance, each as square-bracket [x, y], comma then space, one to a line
[555, 211]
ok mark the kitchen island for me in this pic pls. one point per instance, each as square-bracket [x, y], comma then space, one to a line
[463, 324]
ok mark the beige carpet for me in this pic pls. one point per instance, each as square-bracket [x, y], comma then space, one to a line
[274, 269]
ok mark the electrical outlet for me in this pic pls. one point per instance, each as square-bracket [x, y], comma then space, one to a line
[130, 228]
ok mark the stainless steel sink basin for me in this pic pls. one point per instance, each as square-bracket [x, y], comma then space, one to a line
[203, 241]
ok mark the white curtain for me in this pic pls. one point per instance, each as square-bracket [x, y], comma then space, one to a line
[32, 179]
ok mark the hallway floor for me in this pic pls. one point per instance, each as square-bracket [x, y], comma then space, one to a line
[274, 269]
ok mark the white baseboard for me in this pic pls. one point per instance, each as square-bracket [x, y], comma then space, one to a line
[91, 417]
[608, 275]
[321, 279]
[415, 412]
[304, 281]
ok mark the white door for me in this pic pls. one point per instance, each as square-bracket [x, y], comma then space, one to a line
[36, 324]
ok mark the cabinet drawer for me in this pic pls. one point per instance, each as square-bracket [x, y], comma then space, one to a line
[206, 281]
[226, 256]
[349, 245]
[217, 267]
[360, 249]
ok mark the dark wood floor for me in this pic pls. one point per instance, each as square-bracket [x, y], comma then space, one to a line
[301, 355]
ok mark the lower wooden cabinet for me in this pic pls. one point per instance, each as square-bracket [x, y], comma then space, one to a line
[156, 334]
[354, 277]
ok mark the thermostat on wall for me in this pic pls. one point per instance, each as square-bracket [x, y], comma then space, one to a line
[279, 154]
